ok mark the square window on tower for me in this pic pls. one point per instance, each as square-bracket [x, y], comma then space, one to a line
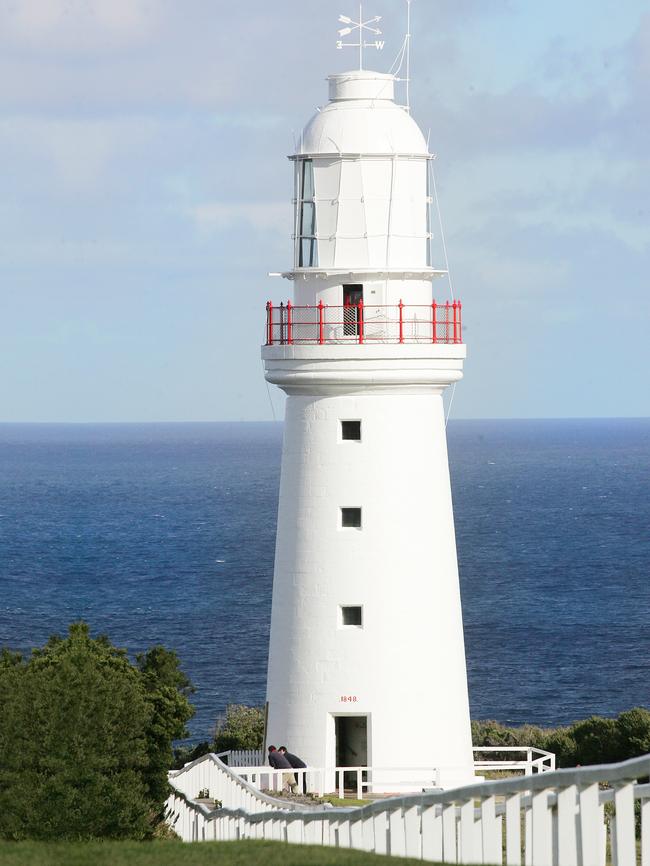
[351, 518]
[351, 431]
[351, 615]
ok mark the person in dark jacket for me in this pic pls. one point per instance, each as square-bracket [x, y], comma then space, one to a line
[297, 764]
[279, 762]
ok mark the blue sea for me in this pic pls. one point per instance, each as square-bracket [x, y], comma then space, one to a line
[165, 534]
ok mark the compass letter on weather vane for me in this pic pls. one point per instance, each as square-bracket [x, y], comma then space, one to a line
[360, 28]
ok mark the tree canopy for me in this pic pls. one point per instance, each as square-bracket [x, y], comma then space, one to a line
[86, 738]
[241, 728]
[595, 740]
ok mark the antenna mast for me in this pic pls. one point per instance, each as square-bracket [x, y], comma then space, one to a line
[408, 54]
[361, 34]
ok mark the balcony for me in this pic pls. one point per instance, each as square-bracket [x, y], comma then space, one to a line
[361, 323]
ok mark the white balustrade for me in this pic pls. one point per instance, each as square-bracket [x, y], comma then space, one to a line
[552, 818]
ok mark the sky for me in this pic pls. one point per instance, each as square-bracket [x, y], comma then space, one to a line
[145, 195]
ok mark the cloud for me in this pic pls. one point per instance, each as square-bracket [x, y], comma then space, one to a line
[77, 152]
[143, 147]
[215, 217]
[77, 26]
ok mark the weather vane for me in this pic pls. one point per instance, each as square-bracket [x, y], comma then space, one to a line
[361, 26]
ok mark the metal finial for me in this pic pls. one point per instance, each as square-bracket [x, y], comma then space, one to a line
[361, 26]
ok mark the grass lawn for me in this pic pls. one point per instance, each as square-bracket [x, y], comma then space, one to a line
[163, 853]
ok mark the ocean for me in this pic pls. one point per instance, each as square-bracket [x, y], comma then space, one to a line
[164, 533]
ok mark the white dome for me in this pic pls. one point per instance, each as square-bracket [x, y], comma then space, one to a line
[362, 118]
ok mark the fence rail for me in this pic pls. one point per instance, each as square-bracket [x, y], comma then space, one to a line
[536, 760]
[363, 323]
[359, 780]
[576, 817]
[249, 764]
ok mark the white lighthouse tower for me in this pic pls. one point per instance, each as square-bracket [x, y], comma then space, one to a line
[367, 661]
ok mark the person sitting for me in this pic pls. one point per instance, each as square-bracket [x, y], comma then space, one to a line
[279, 762]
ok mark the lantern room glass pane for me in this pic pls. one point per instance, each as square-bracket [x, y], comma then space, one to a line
[306, 240]
[307, 253]
[307, 179]
[308, 218]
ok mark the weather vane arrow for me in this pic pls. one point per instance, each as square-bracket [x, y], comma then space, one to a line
[361, 27]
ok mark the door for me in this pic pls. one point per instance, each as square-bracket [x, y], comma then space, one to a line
[352, 297]
[351, 745]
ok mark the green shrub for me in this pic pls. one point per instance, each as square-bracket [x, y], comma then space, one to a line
[240, 728]
[634, 732]
[186, 754]
[597, 741]
[85, 738]
[561, 743]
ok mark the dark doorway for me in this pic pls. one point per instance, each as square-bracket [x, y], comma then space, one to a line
[352, 297]
[351, 746]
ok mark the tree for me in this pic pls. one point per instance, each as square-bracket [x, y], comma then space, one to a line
[83, 738]
[241, 728]
[597, 741]
[561, 743]
[634, 732]
[167, 691]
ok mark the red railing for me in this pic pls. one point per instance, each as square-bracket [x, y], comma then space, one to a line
[360, 323]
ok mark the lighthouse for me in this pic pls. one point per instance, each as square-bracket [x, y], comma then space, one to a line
[366, 659]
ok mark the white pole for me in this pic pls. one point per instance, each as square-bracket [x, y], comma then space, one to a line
[360, 34]
[408, 54]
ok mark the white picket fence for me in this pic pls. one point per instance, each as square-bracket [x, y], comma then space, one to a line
[242, 757]
[536, 760]
[249, 765]
[358, 780]
[575, 817]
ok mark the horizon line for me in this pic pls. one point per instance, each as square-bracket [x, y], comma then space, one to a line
[281, 421]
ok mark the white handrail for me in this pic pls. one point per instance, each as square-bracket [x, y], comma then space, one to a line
[557, 817]
[537, 760]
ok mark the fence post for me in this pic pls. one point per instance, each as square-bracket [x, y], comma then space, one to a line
[321, 339]
[492, 833]
[282, 340]
[360, 314]
[413, 832]
[567, 840]
[645, 831]
[401, 321]
[269, 323]
[589, 823]
[513, 830]
[397, 832]
[434, 324]
[467, 834]
[542, 826]
[446, 321]
[460, 322]
[289, 334]
[624, 823]
[455, 308]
